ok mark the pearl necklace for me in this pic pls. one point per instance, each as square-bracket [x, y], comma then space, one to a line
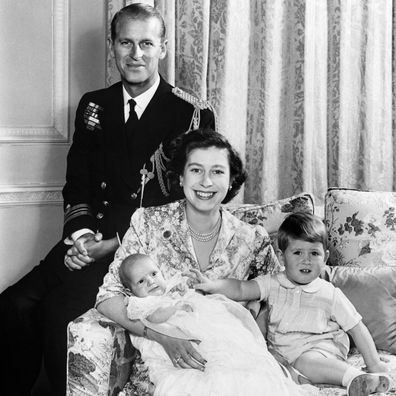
[201, 237]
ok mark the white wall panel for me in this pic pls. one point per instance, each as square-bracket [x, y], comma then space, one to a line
[34, 70]
[51, 52]
[26, 236]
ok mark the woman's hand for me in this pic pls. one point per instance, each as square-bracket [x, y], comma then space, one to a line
[181, 352]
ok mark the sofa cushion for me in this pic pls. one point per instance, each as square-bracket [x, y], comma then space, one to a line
[99, 355]
[361, 226]
[372, 290]
[270, 215]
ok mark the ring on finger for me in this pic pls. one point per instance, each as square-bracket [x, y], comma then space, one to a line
[177, 359]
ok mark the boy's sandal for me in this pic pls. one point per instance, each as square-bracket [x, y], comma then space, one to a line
[366, 384]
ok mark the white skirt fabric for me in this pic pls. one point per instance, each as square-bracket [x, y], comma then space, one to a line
[238, 362]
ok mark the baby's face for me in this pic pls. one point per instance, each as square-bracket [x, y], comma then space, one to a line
[303, 260]
[146, 279]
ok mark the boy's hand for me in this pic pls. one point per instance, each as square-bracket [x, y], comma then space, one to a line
[205, 284]
[254, 307]
[196, 275]
[380, 367]
[207, 287]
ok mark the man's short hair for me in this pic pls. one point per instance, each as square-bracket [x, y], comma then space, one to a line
[139, 11]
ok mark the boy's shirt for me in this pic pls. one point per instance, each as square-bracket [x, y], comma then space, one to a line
[302, 316]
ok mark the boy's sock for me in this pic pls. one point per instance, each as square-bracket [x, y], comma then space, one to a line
[349, 375]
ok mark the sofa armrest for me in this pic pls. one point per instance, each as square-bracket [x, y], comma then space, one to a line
[99, 356]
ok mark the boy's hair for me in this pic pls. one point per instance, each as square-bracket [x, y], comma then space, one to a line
[131, 259]
[304, 226]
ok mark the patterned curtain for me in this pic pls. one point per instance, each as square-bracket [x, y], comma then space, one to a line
[303, 88]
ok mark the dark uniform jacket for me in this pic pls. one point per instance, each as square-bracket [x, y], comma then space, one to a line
[103, 178]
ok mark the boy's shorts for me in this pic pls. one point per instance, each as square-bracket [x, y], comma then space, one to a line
[329, 349]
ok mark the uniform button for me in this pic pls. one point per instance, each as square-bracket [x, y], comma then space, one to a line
[99, 216]
[133, 195]
[105, 203]
[103, 185]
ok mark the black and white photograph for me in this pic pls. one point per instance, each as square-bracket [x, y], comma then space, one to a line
[198, 197]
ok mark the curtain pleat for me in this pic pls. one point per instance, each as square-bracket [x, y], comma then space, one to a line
[394, 89]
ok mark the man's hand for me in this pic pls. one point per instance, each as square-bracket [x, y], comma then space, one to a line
[88, 248]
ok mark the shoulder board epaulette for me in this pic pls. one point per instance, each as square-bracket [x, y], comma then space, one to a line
[200, 103]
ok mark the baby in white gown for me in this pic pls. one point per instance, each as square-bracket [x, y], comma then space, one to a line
[238, 362]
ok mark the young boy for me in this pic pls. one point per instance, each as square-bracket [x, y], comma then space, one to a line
[308, 316]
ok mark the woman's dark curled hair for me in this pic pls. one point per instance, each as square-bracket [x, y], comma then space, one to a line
[203, 138]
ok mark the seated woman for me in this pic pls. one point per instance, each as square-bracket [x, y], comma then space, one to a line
[193, 233]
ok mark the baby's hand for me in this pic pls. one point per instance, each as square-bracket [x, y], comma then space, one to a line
[184, 306]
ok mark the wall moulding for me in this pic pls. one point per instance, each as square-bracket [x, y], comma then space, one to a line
[58, 131]
[31, 195]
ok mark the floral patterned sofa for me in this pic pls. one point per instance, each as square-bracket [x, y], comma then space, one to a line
[362, 235]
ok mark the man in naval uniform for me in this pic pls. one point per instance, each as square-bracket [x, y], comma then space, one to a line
[117, 162]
